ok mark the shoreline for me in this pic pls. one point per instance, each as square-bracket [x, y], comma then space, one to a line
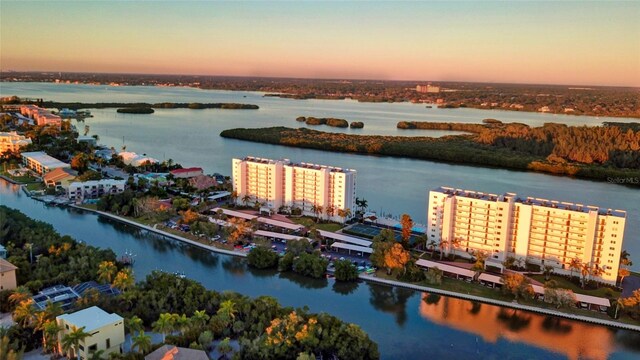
[393, 283]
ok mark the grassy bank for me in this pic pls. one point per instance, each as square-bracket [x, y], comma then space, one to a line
[460, 149]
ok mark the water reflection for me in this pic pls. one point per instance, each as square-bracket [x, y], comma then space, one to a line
[345, 287]
[576, 340]
[303, 281]
[391, 300]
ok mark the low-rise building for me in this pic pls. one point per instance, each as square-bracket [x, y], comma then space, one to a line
[133, 159]
[7, 275]
[41, 163]
[171, 352]
[12, 142]
[186, 173]
[60, 178]
[88, 140]
[94, 189]
[106, 331]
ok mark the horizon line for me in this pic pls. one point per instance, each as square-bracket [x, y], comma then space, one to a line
[2, 72]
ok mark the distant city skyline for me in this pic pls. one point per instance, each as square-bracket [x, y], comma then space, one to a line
[586, 43]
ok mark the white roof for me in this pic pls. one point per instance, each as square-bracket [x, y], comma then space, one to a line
[91, 318]
[277, 235]
[44, 159]
[445, 267]
[237, 214]
[588, 299]
[219, 195]
[345, 238]
[104, 182]
[281, 224]
[490, 278]
[363, 249]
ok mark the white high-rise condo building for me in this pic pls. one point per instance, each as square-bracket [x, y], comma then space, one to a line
[540, 231]
[308, 187]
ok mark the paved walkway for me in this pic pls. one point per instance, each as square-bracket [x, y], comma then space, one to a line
[164, 233]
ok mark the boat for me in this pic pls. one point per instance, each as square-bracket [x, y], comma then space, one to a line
[128, 259]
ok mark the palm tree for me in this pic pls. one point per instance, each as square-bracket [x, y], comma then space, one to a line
[246, 199]
[585, 271]
[622, 273]
[330, 210]
[624, 258]
[106, 271]
[182, 322]
[165, 325]
[50, 333]
[363, 205]
[431, 245]
[30, 247]
[575, 264]
[72, 340]
[443, 244]
[97, 355]
[24, 313]
[548, 270]
[317, 210]
[20, 294]
[142, 342]
[227, 310]
[224, 347]
[199, 319]
[134, 324]
[123, 280]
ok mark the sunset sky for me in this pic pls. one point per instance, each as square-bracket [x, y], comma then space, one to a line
[595, 43]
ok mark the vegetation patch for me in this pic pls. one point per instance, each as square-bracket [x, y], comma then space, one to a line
[603, 153]
[136, 110]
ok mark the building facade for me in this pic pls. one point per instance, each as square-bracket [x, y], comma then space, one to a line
[41, 163]
[42, 117]
[427, 89]
[538, 231]
[94, 189]
[12, 142]
[307, 187]
[107, 331]
[186, 173]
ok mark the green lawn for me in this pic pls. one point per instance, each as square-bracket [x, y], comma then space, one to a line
[35, 186]
[309, 222]
[566, 284]
[21, 179]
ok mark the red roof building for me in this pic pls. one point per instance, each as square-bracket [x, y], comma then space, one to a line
[186, 173]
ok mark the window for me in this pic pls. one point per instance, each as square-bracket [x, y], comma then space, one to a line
[93, 348]
[108, 343]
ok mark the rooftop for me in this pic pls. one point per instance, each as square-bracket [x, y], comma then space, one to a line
[6, 266]
[303, 165]
[170, 352]
[530, 201]
[44, 159]
[91, 318]
[179, 171]
[63, 295]
[104, 182]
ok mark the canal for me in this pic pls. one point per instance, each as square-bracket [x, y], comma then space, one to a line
[404, 323]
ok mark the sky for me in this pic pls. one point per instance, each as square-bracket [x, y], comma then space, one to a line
[581, 43]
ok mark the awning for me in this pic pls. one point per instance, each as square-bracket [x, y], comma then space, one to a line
[445, 267]
[281, 224]
[270, 234]
[362, 249]
[345, 238]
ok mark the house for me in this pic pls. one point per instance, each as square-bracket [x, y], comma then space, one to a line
[170, 352]
[60, 178]
[7, 275]
[186, 173]
[133, 159]
[41, 163]
[106, 331]
[202, 182]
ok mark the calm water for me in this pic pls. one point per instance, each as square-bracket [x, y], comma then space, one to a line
[391, 185]
[404, 323]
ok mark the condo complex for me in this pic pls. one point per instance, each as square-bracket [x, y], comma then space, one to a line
[537, 231]
[276, 184]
